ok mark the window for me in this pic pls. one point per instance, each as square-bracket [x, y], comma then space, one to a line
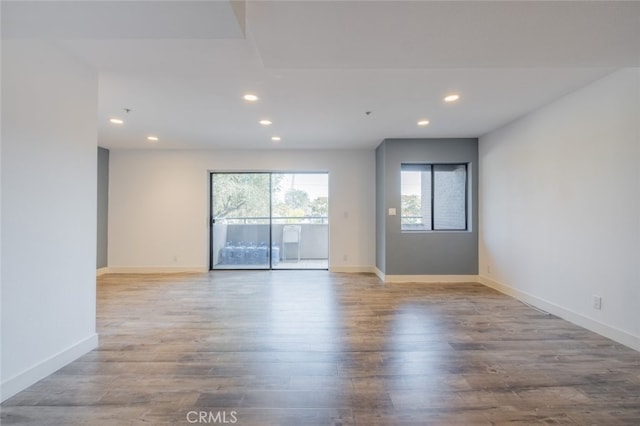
[433, 197]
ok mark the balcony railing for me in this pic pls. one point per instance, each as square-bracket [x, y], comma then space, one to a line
[321, 220]
[314, 237]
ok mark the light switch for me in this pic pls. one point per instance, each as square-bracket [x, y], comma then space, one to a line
[392, 211]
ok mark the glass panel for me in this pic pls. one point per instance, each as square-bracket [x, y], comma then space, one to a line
[240, 230]
[300, 230]
[415, 196]
[450, 183]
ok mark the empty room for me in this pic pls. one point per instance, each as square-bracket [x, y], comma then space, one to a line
[320, 212]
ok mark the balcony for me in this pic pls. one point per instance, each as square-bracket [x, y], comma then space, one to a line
[241, 243]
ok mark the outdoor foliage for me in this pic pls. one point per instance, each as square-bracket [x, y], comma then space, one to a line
[411, 205]
[241, 195]
[246, 195]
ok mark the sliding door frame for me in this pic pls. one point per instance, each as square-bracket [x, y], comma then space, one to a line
[211, 219]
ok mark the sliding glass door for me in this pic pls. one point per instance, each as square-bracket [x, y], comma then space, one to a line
[269, 221]
[240, 220]
[300, 222]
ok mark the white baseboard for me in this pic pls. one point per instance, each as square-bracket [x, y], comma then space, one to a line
[102, 271]
[430, 278]
[154, 269]
[200, 269]
[351, 269]
[612, 333]
[379, 273]
[23, 380]
[425, 279]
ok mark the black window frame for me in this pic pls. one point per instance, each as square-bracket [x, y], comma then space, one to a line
[466, 196]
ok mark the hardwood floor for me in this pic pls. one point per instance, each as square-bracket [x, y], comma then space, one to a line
[316, 348]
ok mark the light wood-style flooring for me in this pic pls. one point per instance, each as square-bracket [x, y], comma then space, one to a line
[319, 348]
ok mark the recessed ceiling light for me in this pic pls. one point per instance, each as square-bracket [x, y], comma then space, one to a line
[451, 98]
[250, 97]
[116, 121]
[423, 122]
[265, 122]
[275, 138]
[152, 138]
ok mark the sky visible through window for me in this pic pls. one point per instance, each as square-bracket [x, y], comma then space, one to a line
[316, 185]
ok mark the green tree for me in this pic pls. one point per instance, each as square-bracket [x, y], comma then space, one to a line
[320, 207]
[410, 206]
[297, 199]
[242, 194]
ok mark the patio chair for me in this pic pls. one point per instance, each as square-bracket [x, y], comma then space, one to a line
[291, 234]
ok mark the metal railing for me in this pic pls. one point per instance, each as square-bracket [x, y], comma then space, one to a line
[264, 220]
[411, 220]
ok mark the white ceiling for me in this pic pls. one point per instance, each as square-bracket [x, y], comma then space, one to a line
[318, 66]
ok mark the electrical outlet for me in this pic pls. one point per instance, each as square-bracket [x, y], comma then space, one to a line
[597, 302]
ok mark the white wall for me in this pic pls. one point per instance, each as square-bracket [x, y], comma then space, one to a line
[560, 207]
[48, 212]
[158, 203]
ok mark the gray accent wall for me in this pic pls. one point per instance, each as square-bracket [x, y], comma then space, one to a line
[424, 252]
[380, 208]
[103, 207]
